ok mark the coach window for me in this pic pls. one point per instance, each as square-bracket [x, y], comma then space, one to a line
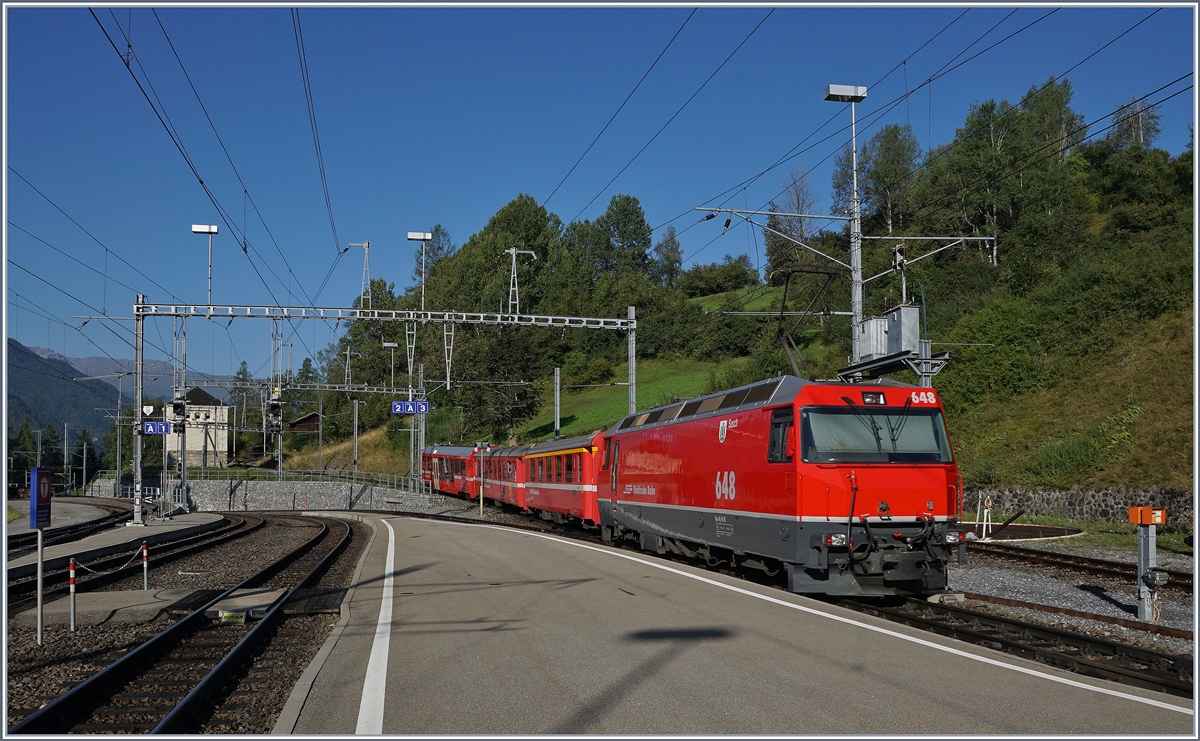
[781, 423]
[558, 468]
[570, 468]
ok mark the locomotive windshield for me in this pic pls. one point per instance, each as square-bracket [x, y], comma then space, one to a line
[883, 435]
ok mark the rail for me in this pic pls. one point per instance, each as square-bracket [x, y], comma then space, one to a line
[397, 482]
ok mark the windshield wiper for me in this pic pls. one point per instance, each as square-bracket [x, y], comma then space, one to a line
[894, 432]
[868, 421]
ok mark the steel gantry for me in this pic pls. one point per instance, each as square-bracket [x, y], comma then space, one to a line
[278, 314]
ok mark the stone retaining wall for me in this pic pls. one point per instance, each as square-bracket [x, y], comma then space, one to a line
[225, 496]
[1092, 505]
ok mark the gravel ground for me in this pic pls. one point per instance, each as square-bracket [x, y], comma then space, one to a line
[1076, 591]
[223, 566]
[36, 674]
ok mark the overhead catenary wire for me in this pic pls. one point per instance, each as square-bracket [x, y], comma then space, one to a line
[229, 157]
[312, 120]
[620, 107]
[221, 211]
[676, 114]
[107, 250]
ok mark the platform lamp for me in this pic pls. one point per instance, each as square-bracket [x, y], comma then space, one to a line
[210, 230]
[853, 94]
[423, 238]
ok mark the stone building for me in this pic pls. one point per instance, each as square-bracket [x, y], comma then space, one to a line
[207, 435]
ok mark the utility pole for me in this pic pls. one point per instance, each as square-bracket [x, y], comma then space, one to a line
[83, 482]
[66, 461]
[356, 437]
[120, 393]
[421, 422]
[139, 323]
[557, 381]
[632, 363]
[321, 433]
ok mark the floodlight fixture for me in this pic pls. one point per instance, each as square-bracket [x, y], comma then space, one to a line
[846, 93]
[423, 238]
[420, 236]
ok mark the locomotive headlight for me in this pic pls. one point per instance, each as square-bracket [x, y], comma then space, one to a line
[835, 539]
[952, 536]
[874, 397]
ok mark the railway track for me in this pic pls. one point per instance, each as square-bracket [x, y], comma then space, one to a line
[1178, 580]
[22, 593]
[1093, 657]
[172, 681]
[20, 544]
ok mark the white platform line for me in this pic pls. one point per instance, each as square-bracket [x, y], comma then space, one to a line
[370, 709]
[851, 621]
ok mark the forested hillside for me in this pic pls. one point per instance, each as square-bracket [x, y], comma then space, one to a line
[1071, 343]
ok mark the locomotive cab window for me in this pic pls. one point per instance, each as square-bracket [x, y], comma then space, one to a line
[853, 434]
[782, 422]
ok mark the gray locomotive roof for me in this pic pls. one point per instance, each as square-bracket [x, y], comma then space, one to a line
[751, 396]
[563, 443]
[463, 450]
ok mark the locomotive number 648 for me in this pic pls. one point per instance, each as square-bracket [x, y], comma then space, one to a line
[726, 485]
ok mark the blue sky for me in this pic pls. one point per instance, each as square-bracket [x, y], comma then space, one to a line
[443, 115]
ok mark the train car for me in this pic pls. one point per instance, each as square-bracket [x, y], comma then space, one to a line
[852, 488]
[560, 479]
[502, 474]
[448, 469]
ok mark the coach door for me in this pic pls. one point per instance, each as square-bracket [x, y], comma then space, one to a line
[616, 457]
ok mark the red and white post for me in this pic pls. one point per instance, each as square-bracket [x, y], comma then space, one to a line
[145, 567]
[72, 580]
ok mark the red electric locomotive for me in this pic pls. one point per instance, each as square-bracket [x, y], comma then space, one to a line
[560, 478]
[852, 488]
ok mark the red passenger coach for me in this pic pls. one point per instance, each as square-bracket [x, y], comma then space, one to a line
[448, 469]
[560, 478]
[502, 475]
[852, 488]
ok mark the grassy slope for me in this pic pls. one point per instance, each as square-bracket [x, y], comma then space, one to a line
[588, 410]
[1152, 371]
[760, 301]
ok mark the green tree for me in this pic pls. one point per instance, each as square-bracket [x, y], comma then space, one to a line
[729, 275]
[668, 258]
[1135, 124]
[888, 162]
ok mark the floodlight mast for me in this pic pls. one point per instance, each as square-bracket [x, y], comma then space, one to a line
[423, 238]
[853, 94]
[210, 230]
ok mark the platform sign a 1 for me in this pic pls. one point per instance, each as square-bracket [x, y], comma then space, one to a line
[40, 493]
[410, 407]
[156, 428]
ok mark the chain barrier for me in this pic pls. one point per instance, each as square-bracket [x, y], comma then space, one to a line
[83, 566]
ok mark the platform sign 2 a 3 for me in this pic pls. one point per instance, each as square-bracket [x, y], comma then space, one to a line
[40, 491]
[410, 407]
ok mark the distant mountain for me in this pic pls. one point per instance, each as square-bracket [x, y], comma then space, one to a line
[157, 375]
[44, 389]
